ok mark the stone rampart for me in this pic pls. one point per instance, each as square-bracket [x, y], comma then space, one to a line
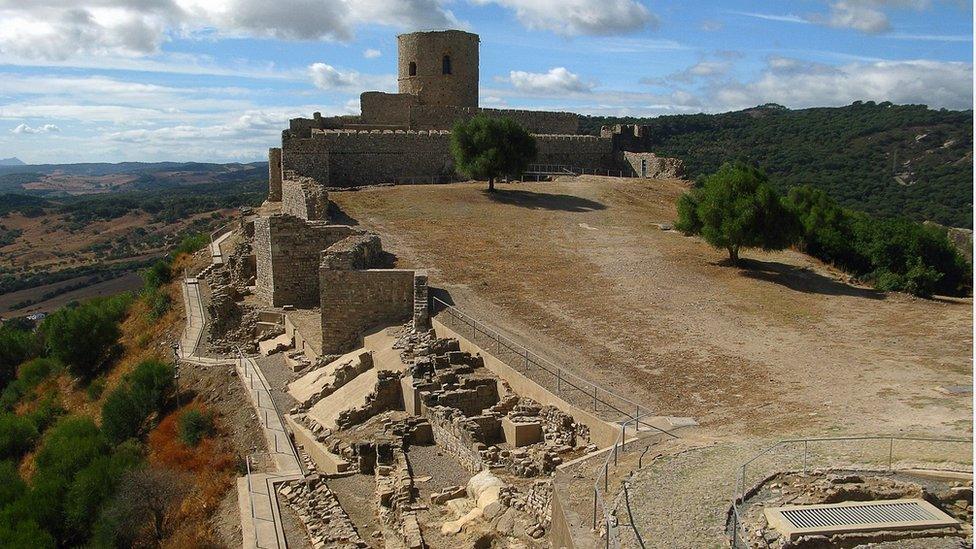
[653, 166]
[287, 251]
[391, 109]
[304, 197]
[582, 151]
[360, 251]
[353, 301]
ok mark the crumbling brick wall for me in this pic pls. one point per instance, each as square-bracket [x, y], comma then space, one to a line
[304, 197]
[287, 251]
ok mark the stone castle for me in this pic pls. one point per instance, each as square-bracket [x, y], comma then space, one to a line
[305, 262]
[405, 136]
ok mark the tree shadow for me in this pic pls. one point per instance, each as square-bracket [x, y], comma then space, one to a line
[801, 279]
[544, 201]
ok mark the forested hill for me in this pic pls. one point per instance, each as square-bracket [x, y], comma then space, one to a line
[890, 160]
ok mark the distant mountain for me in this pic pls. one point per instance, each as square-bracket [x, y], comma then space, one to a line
[885, 159]
[12, 161]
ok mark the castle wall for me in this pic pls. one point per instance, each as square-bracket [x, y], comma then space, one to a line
[305, 198]
[274, 175]
[287, 253]
[582, 151]
[650, 165]
[347, 158]
[353, 301]
[391, 109]
[436, 117]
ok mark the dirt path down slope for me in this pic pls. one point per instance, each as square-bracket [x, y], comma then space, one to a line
[580, 271]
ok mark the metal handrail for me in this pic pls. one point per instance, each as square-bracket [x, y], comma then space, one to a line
[281, 419]
[562, 375]
[739, 482]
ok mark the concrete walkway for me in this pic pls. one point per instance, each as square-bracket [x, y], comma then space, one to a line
[261, 524]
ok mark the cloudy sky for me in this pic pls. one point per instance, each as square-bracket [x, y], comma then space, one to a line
[216, 80]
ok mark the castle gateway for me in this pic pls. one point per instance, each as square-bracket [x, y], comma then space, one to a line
[405, 136]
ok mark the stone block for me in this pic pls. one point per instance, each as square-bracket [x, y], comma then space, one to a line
[521, 433]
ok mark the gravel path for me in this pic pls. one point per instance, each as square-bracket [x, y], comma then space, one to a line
[679, 499]
[278, 374]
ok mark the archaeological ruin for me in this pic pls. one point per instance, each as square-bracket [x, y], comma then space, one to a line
[395, 423]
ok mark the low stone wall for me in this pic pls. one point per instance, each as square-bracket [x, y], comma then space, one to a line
[445, 438]
[353, 301]
[601, 433]
[360, 251]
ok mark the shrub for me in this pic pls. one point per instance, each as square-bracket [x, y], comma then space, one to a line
[29, 375]
[143, 392]
[489, 148]
[158, 303]
[12, 486]
[17, 436]
[194, 425]
[158, 274]
[82, 337]
[191, 244]
[95, 388]
[16, 346]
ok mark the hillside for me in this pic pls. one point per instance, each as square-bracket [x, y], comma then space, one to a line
[889, 160]
[59, 247]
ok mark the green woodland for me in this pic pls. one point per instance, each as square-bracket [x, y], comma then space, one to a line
[852, 153]
[76, 494]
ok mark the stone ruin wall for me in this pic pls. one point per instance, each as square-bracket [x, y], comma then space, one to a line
[274, 174]
[657, 166]
[304, 197]
[353, 301]
[287, 251]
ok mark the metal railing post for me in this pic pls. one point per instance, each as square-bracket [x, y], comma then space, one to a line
[804, 457]
[594, 507]
[891, 448]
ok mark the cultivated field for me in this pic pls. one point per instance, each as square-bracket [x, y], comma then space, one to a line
[579, 270]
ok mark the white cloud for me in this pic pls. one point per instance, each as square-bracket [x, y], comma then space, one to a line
[558, 80]
[864, 16]
[799, 84]
[46, 128]
[576, 17]
[50, 30]
[868, 16]
[371, 53]
[327, 77]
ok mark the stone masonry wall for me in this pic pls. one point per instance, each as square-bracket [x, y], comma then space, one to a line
[391, 109]
[435, 117]
[347, 158]
[274, 175]
[303, 197]
[581, 151]
[353, 301]
[653, 166]
[287, 251]
[360, 251]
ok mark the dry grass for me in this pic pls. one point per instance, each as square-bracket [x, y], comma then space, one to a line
[579, 270]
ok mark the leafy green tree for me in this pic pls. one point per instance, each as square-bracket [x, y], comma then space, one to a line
[488, 148]
[82, 337]
[736, 208]
[142, 393]
[16, 346]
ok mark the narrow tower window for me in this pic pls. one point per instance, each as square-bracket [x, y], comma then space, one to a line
[413, 69]
[446, 65]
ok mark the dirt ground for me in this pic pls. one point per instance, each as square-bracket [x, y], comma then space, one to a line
[579, 270]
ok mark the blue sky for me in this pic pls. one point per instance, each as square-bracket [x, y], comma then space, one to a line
[217, 80]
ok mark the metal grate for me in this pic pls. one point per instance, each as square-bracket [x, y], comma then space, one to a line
[818, 517]
[903, 514]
